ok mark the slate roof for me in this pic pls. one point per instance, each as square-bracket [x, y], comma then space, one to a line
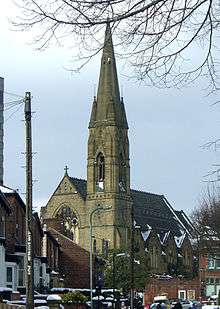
[4, 202]
[186, 222]
[149, 210]
[154, 210]
[81, 186]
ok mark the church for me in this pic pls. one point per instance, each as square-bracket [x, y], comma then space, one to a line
[163, 233]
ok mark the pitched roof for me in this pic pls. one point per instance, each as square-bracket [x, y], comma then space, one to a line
[186, 222]
[6, 193]
[150, 210]
[153, 210]
[81, 186]
[4, 202]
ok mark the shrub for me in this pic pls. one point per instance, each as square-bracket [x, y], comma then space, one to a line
[74, 297]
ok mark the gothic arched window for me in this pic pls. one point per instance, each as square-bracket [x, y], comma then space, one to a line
[101, 167]
[68, 223]
[100, 172]
[122, 174]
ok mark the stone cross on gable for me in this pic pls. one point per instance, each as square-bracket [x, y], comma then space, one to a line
[66, 170]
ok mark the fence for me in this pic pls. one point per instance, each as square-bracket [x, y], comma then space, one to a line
[5, 306]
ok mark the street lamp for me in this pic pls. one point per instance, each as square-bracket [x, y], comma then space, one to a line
[99, 208]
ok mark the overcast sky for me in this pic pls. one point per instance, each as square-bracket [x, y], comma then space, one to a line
[166, 127]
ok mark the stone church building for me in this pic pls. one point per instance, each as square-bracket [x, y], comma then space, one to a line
[163, 232]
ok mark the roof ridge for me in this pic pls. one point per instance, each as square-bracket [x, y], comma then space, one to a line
[135, 190]
[4, 186]
[78, 178]
[52, 230]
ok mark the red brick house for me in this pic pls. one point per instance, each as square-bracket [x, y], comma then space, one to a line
[209, 268]
[73, 262]
[172, 287]
[15, 241]
[51, 251]
[5, 211]
[12, 216]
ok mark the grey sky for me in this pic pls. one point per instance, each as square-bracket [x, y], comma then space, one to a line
[167, 127]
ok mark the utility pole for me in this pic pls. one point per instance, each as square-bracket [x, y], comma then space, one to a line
[113, 273]
[132, 259]
[29, 275]
[99, 208]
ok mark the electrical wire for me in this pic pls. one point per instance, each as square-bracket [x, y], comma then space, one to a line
[12, 114]
[14, 104]
[13, 94]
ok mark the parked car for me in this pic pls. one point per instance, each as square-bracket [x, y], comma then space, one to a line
[160, 301]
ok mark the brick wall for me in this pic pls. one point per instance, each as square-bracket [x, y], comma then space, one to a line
[37, 235]
[73, 262]
[170, 287]
[15, 224]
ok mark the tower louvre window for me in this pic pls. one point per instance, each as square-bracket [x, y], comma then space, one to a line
[101, 167]
[122, 174]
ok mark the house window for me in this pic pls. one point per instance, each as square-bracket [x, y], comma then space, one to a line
[2, 226]
[16, 230]
[182, 294]
[21, 272]
[41, 276]
[217, 280]
[41, 271]
[211, 263]
[9, 277]
[211, 280]
[191, 294]
[217, 263]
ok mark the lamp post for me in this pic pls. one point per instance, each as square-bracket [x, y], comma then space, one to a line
[99, 208]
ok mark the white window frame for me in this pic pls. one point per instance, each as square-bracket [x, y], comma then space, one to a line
[179, 294]
[211, 263]
[21, 269]
[14, 274]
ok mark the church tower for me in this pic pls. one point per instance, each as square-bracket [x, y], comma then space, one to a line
[108, 170]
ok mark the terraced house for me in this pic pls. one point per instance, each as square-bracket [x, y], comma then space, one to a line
[13, 248]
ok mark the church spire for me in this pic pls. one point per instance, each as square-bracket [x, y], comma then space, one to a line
[108, 107]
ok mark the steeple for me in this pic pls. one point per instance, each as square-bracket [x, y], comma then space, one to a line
[107, 107]
[108, 169]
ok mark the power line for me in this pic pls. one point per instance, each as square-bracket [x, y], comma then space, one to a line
[12, 105]
[13, 94]
[12, 114]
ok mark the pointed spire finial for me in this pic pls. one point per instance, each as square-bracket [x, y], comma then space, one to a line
[107, 106]
[66, 170]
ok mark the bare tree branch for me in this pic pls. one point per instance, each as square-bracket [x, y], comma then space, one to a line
[159, 38]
